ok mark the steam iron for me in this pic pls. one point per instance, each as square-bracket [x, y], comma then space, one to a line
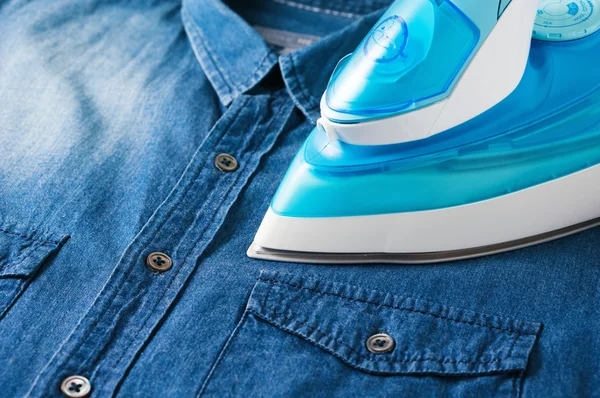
[449, 134]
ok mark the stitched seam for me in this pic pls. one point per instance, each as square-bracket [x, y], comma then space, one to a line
[201, 236]
[26, 254]
[255, 72]
[222, 354]
[512, 346]
[277, 314]
[213, 57]
[21, 259]
[319, 10]
[401, 308]
[195, 32]
[266, 300]
[519, 384]
[156, 233]
[14, 295]
[46, 242]
[308, 98]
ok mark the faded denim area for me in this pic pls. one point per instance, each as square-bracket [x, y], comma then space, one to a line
[111, 116]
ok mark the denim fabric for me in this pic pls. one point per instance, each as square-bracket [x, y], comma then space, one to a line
[111, 116]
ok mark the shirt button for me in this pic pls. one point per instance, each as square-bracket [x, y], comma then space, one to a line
[159, 262]
[75, 387]
[226, 162]
[380, 344]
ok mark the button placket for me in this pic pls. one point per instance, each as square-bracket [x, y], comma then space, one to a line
[194, 210]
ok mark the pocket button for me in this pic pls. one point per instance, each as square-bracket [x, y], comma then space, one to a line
[380, 344]
[76, 387]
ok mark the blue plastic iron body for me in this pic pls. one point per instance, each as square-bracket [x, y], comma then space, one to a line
[549, 127]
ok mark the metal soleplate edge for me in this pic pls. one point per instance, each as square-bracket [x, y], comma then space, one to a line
[262, 253]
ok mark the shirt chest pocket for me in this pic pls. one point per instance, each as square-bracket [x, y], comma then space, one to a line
[22, 252]
[302, 336]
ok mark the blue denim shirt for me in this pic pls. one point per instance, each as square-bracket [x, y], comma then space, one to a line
[111, 116]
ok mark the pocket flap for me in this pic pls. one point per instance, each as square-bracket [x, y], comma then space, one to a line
[22, 250]
[429, 338]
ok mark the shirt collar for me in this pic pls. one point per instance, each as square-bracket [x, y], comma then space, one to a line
[236, 66]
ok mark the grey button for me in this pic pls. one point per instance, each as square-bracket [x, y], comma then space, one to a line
[380, 344]
[226, 162]
[159, 262]
[75, 387]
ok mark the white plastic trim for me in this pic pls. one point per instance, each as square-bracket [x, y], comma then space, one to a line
[494, 72]
[541, 209]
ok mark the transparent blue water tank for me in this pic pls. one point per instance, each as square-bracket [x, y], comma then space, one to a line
[411, 58]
